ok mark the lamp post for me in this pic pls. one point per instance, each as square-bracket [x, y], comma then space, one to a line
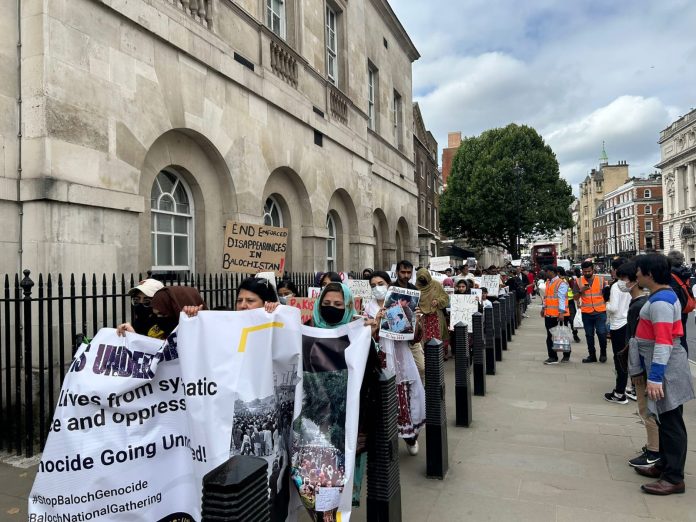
[518, 178]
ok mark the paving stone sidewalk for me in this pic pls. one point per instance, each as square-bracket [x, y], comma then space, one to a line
[544, 446]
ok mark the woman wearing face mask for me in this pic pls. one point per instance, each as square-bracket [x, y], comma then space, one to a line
[617, 310]
[286, 289]
[141, 307]
[167, 304]
[398, 359]
[433, 301]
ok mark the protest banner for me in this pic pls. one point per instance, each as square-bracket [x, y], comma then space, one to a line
[462, 306]
[360, 288]
[313, 292]
[139, 423]
[492, 283]
[440, 278]
[254, 248]
[440, 264]
[305, 305]
[399, 321]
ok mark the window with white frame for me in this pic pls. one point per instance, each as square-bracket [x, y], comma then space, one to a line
[331, 45]
[647, 193]
[648, 225]
[648, 209]
[397, 118]
[371, 97]
[331, 244]
[275, 17]
[272, 214]
[171, 223]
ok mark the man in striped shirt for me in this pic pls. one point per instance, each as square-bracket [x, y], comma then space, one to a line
[656, 351]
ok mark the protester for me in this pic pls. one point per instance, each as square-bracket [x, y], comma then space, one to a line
[594, 311]
[657, 350]
[462, 287]
[627, 282]
[285, 290]
[571, 280]
[256, 292]
[141, 305]
[464, 272]
[485, 303]
[329, 277]
[433, 301]
[167, 303]
[554, 310]
[404, 273]
[398, 359]
[367, 273]
[679, 282]
[617, 311]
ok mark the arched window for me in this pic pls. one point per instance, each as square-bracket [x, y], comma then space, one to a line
[272, 215]
[647, 193]
[172, 223]
[331, 244]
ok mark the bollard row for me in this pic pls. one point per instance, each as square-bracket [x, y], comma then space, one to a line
[479, 348]
[435, 413]
[462, 376]
[489, 335]
[503, 325]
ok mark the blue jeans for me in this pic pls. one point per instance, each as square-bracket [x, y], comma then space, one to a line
[592, 323]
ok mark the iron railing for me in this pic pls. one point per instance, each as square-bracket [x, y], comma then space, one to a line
[42, 323]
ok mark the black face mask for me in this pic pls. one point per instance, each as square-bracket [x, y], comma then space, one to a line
[331, 314]
[167, 324]
[143, 318]
[422, 281]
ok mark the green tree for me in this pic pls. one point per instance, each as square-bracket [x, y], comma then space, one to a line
[504, 185]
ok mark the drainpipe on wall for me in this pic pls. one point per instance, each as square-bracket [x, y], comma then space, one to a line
[20, 204]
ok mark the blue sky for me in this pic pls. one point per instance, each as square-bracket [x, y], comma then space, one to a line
[579, 71]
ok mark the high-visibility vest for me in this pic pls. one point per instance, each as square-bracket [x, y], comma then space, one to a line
[570, 289]
[591, 300]
[551, 301]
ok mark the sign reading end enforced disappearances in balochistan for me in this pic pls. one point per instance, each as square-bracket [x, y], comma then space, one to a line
[250, 249]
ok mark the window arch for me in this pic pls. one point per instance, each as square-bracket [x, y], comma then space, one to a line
[331, 244]
[647, 193]
[171, 225]
[272, 213]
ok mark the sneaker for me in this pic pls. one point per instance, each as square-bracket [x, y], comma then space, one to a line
[412, 449]
[551, 361]
[613, 397]
[603, 358]
[590, 359]
[566, 359]
[645, 460]
[631, 394]
[525, 315]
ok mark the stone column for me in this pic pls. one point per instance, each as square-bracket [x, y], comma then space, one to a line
[690, 184]
[678, 190]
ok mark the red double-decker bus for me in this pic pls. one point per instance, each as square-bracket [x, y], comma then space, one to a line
[543, 255]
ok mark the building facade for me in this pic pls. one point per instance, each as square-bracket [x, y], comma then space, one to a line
[597, 183]
[599, 232]
[678, 164]
[429, 181]
[569, 245]
[454, 139]
[132, 131]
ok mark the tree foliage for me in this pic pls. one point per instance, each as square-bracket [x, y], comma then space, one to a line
[488, 200]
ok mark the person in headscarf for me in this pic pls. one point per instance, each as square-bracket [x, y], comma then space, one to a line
[433, 301]
[167, 304]
[335, 306]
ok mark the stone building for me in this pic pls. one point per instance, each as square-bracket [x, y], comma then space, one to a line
[599, 232]
[145, 125]
[429, 181]
[569, 245]
[597, 183]
[678, 164]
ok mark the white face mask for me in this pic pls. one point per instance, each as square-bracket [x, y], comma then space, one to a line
[379, 292]
[623, 286]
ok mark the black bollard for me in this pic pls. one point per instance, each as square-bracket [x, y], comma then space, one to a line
[383, 486]
[436, 457]
[498, 332]
[479, 348]
[504, 323]
[462, 376]
[489, 336]
[513, 315]
[237, 490]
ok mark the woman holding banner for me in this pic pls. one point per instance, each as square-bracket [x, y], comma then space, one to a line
[396, 356]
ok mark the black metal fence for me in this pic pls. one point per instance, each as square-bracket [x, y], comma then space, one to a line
[43, 322]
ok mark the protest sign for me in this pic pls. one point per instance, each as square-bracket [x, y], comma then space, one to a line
[440, 264]
[139, 422]
[440, 278]
[313, 291]
[492, 283]
[477, 282]
[305, 305]
[477, 292]
[399, 321]
[269, 276]
[462, 306]
[254, 248]
[360, 288]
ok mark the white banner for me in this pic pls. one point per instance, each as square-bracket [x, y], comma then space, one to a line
[140, 423]
[462, 306]
[440, 264]
[491, 283]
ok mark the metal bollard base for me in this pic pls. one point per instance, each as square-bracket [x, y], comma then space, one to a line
[385, 510]
[436, 446]
[463, 406]
[479, 380]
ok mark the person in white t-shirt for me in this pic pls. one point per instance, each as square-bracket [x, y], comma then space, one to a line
[617, 310]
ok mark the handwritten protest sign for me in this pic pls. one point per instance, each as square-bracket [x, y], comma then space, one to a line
[360, 288]
[492, 283]
[313, 291]
[462, 306]
[478, 293]
[254, 248]
[305, 305]
[399, 321]
[440, 264]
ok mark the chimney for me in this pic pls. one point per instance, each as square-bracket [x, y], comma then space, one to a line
[454, 139]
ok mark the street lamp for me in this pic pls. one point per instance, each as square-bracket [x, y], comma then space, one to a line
[518, 178]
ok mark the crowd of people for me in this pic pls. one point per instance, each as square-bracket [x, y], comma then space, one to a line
[642, 310]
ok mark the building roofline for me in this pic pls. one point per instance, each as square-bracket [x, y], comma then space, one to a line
[398, 28]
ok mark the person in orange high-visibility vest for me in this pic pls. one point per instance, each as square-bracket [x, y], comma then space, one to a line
[554, 310]
[594, 311]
